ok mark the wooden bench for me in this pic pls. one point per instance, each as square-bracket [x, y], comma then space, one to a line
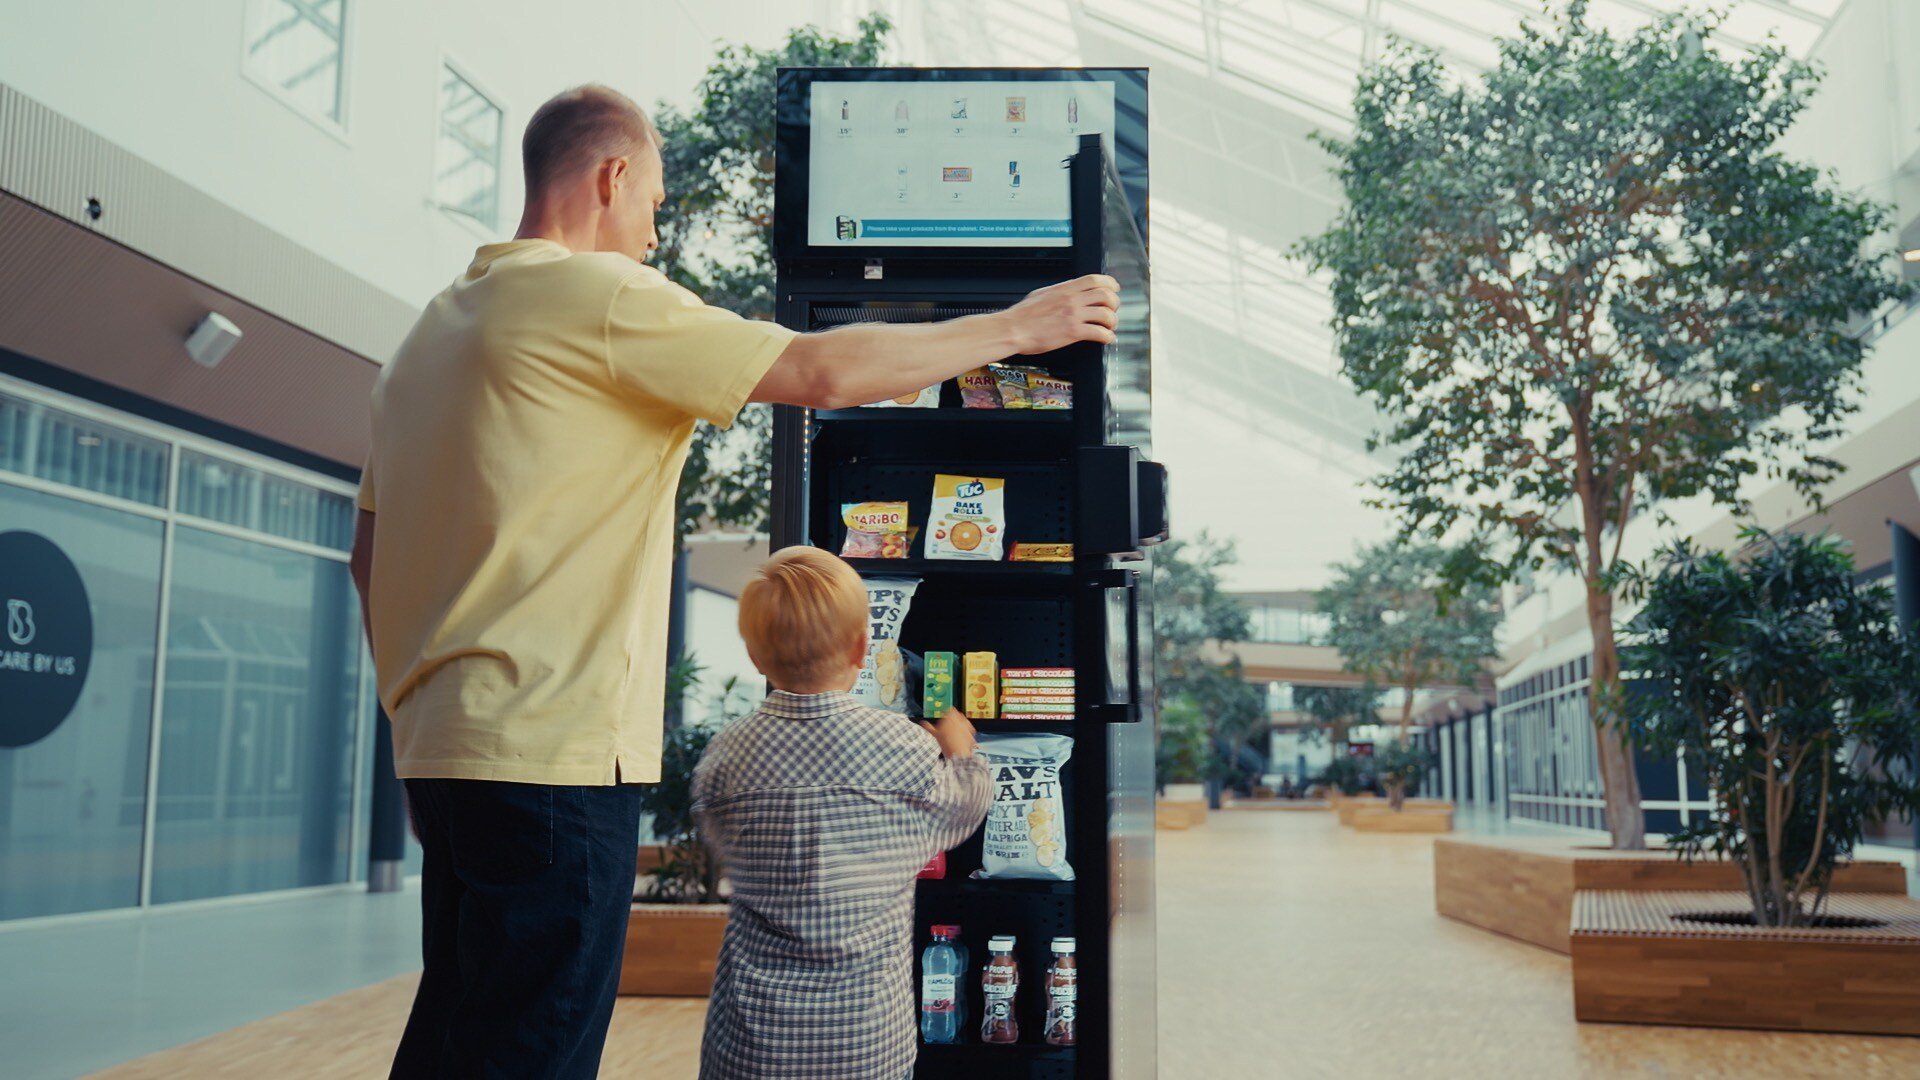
[1635, 962]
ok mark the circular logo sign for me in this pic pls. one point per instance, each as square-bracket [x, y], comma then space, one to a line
[46, 644]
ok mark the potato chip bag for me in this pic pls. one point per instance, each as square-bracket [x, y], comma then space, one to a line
[875, 530]
[968, 519]
[1026, 831]
[884, 679]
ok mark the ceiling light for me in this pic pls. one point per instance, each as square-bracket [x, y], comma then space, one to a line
[1912, 255]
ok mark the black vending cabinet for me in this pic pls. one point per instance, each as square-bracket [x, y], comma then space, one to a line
[1080, 476]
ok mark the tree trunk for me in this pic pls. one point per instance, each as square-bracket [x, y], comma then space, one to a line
[1406, 713]
[1396, 796]
[1622, 785]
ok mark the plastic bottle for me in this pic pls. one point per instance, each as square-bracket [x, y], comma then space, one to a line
[1000, 983]
[1063, 994]
[942, 1006]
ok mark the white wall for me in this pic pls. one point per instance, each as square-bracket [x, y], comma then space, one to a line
[164, 81]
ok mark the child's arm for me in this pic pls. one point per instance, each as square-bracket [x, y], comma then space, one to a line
[962, 787]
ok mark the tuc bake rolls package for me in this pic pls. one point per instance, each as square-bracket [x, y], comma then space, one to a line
[884, 680]
[1026, 832]
[968, 519]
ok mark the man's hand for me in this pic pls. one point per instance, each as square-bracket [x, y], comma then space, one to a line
[954, 732]
[1084, 309]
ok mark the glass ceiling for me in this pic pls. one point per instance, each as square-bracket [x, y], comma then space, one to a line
[1238, 86]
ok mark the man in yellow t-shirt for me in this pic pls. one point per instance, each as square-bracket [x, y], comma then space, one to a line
[513, 553]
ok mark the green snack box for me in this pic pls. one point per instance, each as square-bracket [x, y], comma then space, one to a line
[937, 695]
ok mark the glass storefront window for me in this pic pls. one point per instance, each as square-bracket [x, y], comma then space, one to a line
[55, 445]
[258, 729]
[250, 498]
[73, 804]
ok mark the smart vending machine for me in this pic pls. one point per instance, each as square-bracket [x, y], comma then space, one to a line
[1004, 521]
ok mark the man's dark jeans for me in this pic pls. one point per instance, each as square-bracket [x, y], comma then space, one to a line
[525, 893]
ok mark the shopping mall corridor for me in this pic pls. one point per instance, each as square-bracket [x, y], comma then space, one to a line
[1289, 948]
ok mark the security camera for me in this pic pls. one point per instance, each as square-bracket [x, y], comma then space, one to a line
[212, 339]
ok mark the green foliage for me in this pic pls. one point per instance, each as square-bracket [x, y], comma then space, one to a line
[1193, 616]
[1793, 692]
[1183, 752]
[1345, 774]
[1192, 610]
[1590, 277]
[689, 874]
[1400, 767]
[1586, 283]
[716, 238]
[1394, 622]
[1331, 711]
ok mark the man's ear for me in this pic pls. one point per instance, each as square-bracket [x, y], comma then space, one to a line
[613, 173]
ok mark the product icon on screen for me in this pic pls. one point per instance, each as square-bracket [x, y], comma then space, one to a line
[1073, 110]
[900, 110]
[846, 228]
[1013, 173]
[843, 108]
[959, 109]
[1016, 110]
[957, 174]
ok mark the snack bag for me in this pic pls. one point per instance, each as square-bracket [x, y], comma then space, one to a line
[883, 681]
[979, 389]
[875, 530]
[968, 518]
[1030, 552]
[1011, 381]
[1026, 834]
[1046, 391]
[929, 398]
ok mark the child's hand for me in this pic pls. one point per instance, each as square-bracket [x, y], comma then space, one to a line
[954, 732]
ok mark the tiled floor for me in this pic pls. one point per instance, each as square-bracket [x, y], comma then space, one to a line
[79, 995]
[1291, 947]
[1288, 948]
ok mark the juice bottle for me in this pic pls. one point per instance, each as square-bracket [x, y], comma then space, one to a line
[1063, 993]
[1000, 983]
[942, 1007]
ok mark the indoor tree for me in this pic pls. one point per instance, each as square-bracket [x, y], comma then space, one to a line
[716, 238]
[1331, 712]
[1395, 621]
[1587, 282]
[1193, 618]
[1794, 692]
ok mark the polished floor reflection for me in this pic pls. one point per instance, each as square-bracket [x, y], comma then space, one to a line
[1289, 948]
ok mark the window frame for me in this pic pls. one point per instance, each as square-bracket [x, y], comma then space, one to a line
[338, 129]
[486, 230]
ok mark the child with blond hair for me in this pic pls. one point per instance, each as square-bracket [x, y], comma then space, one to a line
[823, 810]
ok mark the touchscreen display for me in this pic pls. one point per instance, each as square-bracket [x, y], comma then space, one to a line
[947, 164]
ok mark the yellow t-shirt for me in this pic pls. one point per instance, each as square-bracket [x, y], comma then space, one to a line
[527, 444]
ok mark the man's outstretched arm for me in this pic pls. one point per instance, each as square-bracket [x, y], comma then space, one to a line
[868, 362]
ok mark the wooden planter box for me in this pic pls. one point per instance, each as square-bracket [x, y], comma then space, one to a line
[1276, 804]
[1409, 819]
[1168, 814]
[1633, 962]
[672, 949]
[1523, 887]
[1348, 806]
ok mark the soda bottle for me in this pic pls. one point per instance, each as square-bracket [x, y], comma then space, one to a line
[1063, 993]
[1000, 983]
[942, 1007]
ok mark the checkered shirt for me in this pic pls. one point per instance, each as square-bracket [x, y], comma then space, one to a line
[824, 810]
